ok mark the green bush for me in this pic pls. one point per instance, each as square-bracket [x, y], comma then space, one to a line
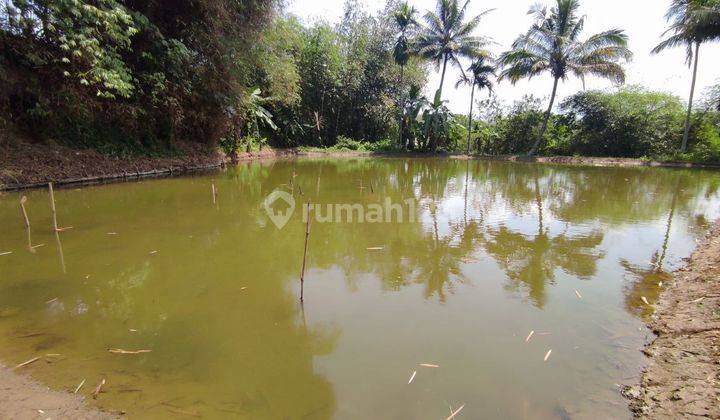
[633, 122]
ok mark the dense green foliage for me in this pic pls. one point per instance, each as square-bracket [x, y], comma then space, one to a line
[632, 122]
[128, 76]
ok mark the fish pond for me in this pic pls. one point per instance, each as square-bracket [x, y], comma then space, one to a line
[431, 286]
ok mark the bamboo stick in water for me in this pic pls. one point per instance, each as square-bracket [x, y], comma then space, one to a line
[23, 200]
[52, 207]
[307, 236]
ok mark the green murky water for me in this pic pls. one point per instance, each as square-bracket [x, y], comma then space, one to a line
[496, 250]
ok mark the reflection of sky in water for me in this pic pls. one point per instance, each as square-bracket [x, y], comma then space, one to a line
[490, 259]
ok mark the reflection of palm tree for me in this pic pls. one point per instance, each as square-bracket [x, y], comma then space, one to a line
[648, 280]
[533, 261]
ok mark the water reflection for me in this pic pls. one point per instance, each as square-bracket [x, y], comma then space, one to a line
[213, 289]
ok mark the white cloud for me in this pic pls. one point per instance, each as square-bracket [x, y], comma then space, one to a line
[643, 21]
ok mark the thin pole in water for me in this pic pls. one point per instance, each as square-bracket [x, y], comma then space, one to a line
[307, 236]
[52, 207]
[214, 192]
[23, 200]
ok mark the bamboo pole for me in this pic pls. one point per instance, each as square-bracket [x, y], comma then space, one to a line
[52, 206]
[23, 200]
[307, 236]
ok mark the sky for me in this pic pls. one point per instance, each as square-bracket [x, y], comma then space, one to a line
[643, 21]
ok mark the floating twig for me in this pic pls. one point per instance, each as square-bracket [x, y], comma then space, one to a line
[547, 355]
[412, 377]
[5, 253]
[376, 248]
[529, 336]
[645, 301]
[578, 294]
[79, 386]
[455, 413]
[31, 361]
[121, 351]
[429, 365]
[98, 389]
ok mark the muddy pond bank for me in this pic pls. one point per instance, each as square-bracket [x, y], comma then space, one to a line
[23, 398]
[682, 377]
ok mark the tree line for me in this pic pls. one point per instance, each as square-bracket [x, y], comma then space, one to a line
[130, 76]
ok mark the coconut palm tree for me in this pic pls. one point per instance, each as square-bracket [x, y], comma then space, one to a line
[692, 22]
[446, 36]
[478, 74]
[405, 20]
[552, 45]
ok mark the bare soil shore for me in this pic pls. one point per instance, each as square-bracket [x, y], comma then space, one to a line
[682, 379]
[22, 398]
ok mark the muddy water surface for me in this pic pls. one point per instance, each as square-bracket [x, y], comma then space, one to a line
[489, 253]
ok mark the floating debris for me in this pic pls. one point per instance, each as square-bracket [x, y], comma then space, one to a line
[79, 386]
[645, 301]
[412, 377]
[133, 330]
[31, 361]
[529, 336]
[578, 294]
[153, 252]
[112, 233]
[98, 390]
[51, 301]
[547, 355]
[5, 253]
[455, 413]
[429, 365]
[121, 351]
[376, 248]
[37, 246]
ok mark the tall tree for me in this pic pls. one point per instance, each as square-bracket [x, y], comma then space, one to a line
[446, 36]
[478, 75]
[405, 19]
[552, 44]
[692, 22]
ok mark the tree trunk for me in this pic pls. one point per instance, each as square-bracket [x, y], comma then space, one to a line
[686, 135]
[401, 141]
[472, 98]
[545, 121]
[442, 78]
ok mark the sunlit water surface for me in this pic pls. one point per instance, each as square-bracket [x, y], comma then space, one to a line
[212, 289]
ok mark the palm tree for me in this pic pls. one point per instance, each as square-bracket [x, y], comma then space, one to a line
[405, 19]
[479, 75]
[552, 44]
[692, 22]
[447, 37]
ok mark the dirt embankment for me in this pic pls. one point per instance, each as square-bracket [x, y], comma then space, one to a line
[682, 379]
[22, 398]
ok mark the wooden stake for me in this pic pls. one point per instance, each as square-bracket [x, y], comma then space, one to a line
[98, 389]
[52, 206]
[23, 200]
[307, 235]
